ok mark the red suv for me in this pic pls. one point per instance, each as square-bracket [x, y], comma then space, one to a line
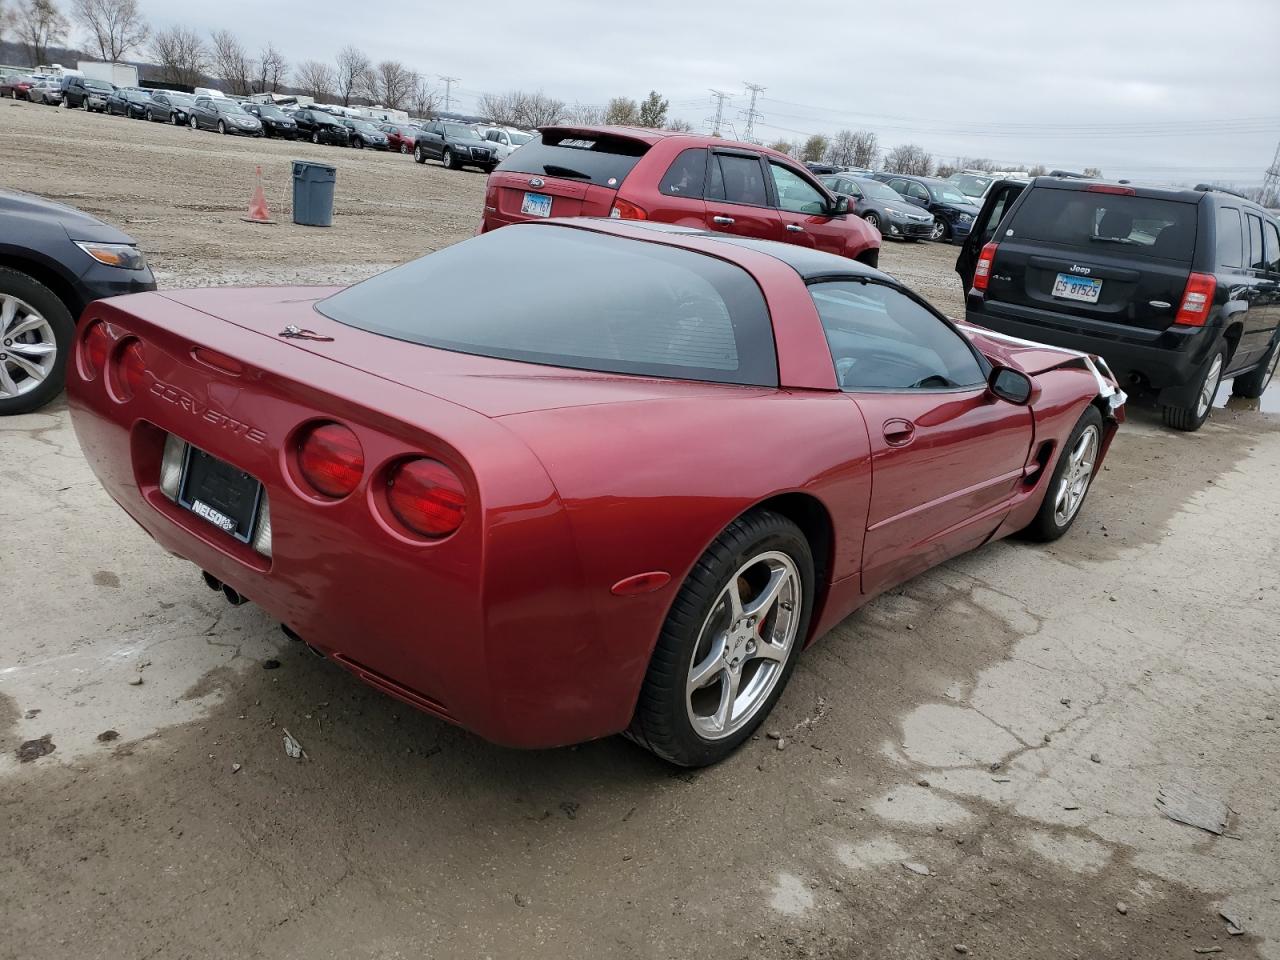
[691, 180]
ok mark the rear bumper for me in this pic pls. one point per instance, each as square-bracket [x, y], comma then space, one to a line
[1139, 358]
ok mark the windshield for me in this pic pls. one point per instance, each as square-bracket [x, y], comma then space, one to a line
[588, 301]
[460, 131]
[971, 184]
[270, 111]
[877, 190]
[364, 126]
[181, 99]
[228, 106]
[519, 138]
[99, 85]
[948, 193]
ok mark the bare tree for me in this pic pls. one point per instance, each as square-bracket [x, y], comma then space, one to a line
[316, 80]
[181, 54]
[815, 148]
[116, 26]
[39, 24]
[679, 126]
[653, 111]
[945, 170]
[587, 114]
[502, 108]
[272, 70]
[541, 110]
[910, 159]
[1094, 173]
[865, 149]
[230, 62]
[977, 163]
[392, 84]
[1039, 170]
[622, 111]
[423, 100]
[353, 74]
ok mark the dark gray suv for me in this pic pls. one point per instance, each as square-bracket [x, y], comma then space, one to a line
[1177, 289]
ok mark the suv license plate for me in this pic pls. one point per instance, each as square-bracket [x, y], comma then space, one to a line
[219, 493]
[1067, 287]
[536, 205]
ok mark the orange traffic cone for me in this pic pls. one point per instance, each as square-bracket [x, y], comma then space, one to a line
[258, 212]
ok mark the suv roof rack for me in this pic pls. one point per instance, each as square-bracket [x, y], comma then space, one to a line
[1211, 188]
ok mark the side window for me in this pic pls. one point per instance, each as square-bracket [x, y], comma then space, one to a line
[795, 193]
[998, 208]
[686, 175]
[899, 186]
[917, 190]
[492, 135]
[1230, 239]
[740, 180]
[1272, 235]
[1257, 256]
[851, 188]
[881, 339]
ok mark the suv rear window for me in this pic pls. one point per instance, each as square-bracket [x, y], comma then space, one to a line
[632, 307]
[1134, 226]
[603, 160]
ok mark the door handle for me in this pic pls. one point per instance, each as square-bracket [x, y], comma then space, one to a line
[898, 433]
[795, 228]
[726, 221]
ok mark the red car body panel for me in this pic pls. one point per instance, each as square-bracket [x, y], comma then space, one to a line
[848, 235]
[575, 481]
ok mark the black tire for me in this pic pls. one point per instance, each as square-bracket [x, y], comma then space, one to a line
[872, 219]
[1047, 525]
[358, 143]
[1254, 384]
[1192, 418]
[941, 232]
[418, 155]
[404, 148]
[315, 137]
[173, 118]
[661, 723]
[150, 116]
[84, 104]
[46, 302]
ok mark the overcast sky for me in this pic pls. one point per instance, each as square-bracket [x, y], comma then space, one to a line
[1159, 89]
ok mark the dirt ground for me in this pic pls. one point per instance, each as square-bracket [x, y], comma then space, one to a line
[1003, 723]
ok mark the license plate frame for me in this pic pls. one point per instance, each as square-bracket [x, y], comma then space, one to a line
[1066, 286]
[536, 204]
[219, 493]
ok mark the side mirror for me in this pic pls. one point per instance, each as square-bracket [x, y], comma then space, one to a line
[1012, 386]
[841, 207]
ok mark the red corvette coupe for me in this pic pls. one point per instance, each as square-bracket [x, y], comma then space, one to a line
[623, 496]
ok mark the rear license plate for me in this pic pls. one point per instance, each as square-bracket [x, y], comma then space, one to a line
[536, 205]
[1067, 287]
[219, 493]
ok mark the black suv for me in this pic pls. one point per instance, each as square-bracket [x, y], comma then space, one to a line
[85, 93]
[1176, 289]
[456, 145]
[320, 127]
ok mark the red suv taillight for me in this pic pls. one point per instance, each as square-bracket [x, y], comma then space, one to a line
[130, 369]
[94, 347]
[331, 460]
[626, 210]
[1197, 298]
[982, 271]
[427, 497]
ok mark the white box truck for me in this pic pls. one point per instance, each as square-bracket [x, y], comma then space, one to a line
[120, 74]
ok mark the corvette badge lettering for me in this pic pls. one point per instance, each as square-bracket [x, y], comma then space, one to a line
[184, 400]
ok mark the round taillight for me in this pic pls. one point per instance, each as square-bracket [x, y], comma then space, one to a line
[130, 368]
[95, 346]
[331, 460]
[427, 497]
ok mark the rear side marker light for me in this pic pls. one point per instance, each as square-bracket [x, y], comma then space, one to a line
[1197, 298]
[94, 347]
[625, 210]
[331, 460]
[982, 271]
[426, 497]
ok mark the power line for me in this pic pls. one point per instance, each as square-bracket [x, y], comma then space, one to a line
[448, 89]
[752, 114]
[720, 97]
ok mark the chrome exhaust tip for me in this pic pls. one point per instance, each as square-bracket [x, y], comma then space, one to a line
[233, 598]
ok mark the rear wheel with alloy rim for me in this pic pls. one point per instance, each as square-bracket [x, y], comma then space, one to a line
[447, 159]
[150, 115]
[222, 128]
[35, 337]
[1193, 417]
[729, 643]
[195, 125]
[315, 137]
[1072, 477]
[872, 219]
[939, 231]
[1254, 384]
[418, 155]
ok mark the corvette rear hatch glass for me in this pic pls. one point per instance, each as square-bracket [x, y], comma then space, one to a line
[565, 297]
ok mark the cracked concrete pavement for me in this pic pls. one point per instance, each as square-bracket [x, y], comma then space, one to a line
[1147, 637]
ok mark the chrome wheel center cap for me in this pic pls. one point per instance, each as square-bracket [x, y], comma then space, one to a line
[741, 644]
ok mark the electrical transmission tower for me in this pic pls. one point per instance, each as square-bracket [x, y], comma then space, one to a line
[715, 122]
[448, 89]
[1271, 183]
[752, 114]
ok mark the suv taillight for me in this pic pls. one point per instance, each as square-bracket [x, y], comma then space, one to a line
[1197, 298]
[624, 210]
[982, 271]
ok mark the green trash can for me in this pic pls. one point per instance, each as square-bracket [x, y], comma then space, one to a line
[313, 193]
